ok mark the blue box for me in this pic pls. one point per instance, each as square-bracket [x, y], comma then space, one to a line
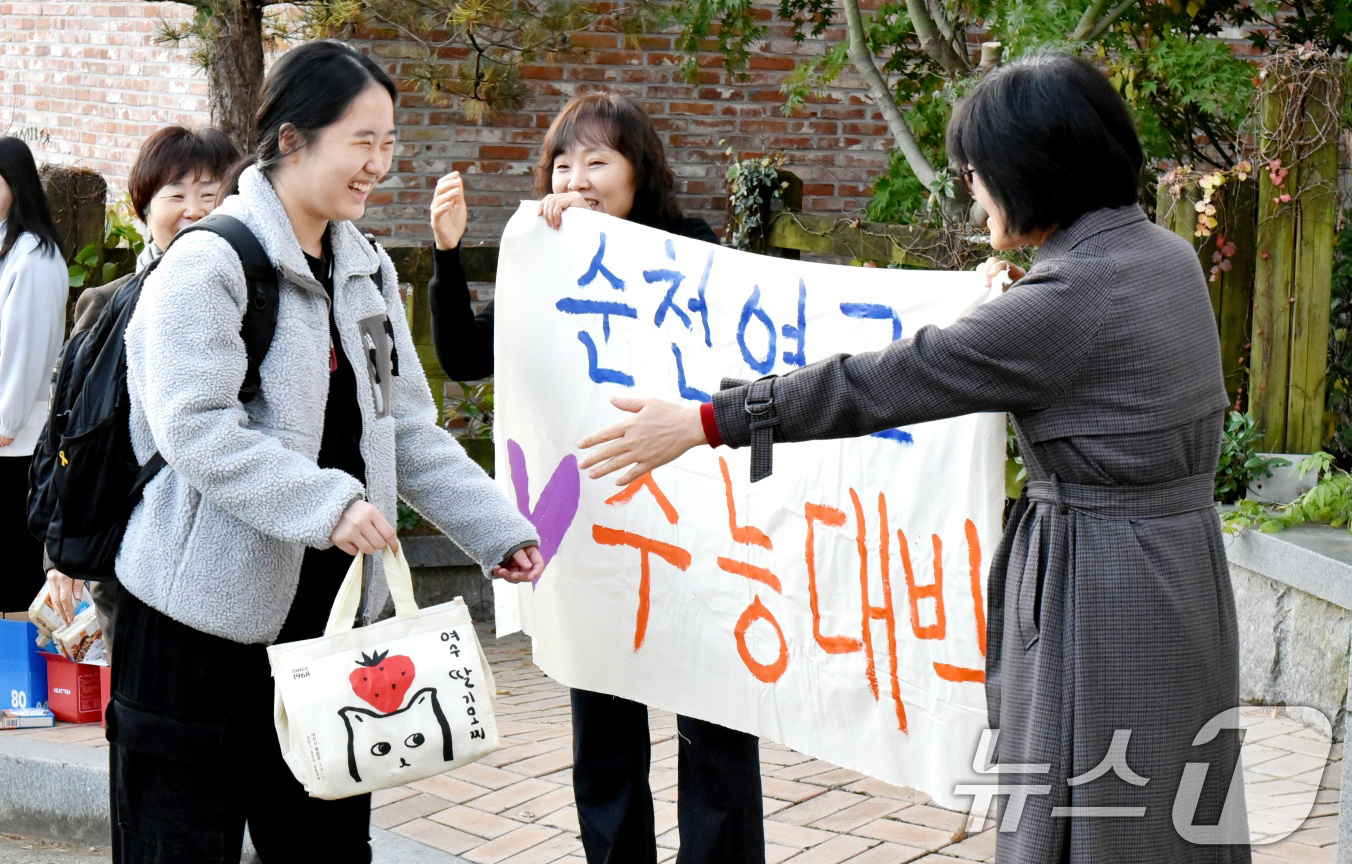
[23, 672]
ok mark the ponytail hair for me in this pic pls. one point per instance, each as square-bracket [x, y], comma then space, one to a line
[308, 89]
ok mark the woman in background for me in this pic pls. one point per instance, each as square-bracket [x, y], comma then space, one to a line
[34, 286]
[174, 182]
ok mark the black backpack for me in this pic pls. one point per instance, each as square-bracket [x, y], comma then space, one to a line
[85, 481]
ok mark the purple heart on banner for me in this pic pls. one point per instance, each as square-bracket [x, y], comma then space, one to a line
[557, 505]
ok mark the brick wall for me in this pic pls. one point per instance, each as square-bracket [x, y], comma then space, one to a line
[92, 78]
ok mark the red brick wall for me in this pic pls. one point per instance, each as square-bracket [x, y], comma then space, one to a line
[91, 76]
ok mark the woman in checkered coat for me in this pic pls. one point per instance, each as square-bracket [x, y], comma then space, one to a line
[1112, 644]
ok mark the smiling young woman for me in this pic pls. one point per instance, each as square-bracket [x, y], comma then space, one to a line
[244, 537]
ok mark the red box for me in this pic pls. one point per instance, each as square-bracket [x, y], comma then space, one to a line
[105, 690]
[73, 691]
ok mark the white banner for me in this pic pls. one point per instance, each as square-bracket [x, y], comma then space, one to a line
[837, 607]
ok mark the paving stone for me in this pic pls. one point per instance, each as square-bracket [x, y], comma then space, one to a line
[509, 844]
[857, 815]
[549, 851]
[406, 810]
[835, 777]
[789, 790]
[438, 836]
[476, 822]
[837, 849]
[978, 847]
[381, 797]
[933, 817]
[449, 788]
[795, 836]
[821, 806]
[889, 853]
[564, 819]
[879, 789]
[906, 834]
[509, 797]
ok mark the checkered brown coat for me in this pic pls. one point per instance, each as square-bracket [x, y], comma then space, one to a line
[1110, 600]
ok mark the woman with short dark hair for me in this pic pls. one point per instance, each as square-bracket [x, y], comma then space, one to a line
[174, 182]
[1113, 643]
[33, 289]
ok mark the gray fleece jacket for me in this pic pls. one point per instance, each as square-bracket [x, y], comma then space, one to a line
[216, 543]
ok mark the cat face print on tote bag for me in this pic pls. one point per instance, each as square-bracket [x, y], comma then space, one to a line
[415, 738]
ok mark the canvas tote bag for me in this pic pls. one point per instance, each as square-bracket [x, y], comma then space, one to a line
[367, 708]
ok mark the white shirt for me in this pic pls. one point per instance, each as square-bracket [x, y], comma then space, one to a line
[34, 286]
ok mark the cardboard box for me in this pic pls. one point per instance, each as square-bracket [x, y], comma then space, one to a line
[73, 690]
[26, 718]
[23, 673]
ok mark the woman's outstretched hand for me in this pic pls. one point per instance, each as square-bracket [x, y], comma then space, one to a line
[525, 565]
[657, 433]
[993, 267]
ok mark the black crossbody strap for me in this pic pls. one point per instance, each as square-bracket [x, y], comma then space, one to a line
[760, 407]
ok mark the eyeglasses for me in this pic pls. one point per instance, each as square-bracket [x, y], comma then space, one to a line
[964, 173]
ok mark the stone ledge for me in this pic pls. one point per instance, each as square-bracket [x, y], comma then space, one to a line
[1316, 559]
[434, 550]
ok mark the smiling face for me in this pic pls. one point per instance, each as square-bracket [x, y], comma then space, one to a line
[600, 174]
[329, 178]
[179, 204]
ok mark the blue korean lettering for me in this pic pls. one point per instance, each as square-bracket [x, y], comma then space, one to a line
[751, 309]
[798, 333]
[874, 311]
[686, 391]
[598, 267]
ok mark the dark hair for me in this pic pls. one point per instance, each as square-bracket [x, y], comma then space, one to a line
[1051, 139]
[309, 88]
[608, 119]
[28, 210]
[173, 153]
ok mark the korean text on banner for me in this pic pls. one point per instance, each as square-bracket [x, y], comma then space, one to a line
[837, 607]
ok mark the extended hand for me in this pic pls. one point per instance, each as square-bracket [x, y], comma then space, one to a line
[656, 434]
[450, 214]
[525, 565]
[364, 529]
[993, 267]
[5, 442]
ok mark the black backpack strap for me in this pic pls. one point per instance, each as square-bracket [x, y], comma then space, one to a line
[260, 277]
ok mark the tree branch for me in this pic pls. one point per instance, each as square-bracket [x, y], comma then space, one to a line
[1107, 21]
[932, 41]
[882, 96]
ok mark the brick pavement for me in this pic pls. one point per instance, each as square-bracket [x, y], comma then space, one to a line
[516, 805]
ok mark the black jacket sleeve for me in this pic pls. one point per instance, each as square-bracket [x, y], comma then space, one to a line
[463, 340]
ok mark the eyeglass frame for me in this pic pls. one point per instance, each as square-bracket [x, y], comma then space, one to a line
[964, 173]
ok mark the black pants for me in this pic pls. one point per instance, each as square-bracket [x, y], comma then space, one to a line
[21, 577]
[719, 813]
[194, 756]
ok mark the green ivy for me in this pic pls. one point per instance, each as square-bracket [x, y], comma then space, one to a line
[99, 263]
[1240, 463]
[1329, 500]
[748, 182]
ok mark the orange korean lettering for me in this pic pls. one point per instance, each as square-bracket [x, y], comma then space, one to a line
[771, 672]
[934, 590]
[673, 555]
[835, 518]
[646, 481]
[886, 612]
[961, 674]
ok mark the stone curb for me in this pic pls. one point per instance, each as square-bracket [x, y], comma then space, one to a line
[59, 791]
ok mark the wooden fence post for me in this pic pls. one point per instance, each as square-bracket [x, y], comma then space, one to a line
[1230, 279]
[1296, 212]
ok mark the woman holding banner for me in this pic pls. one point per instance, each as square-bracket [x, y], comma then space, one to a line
[602, 152]
[1112, 643]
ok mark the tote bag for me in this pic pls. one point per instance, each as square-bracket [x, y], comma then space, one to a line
[366, 708]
